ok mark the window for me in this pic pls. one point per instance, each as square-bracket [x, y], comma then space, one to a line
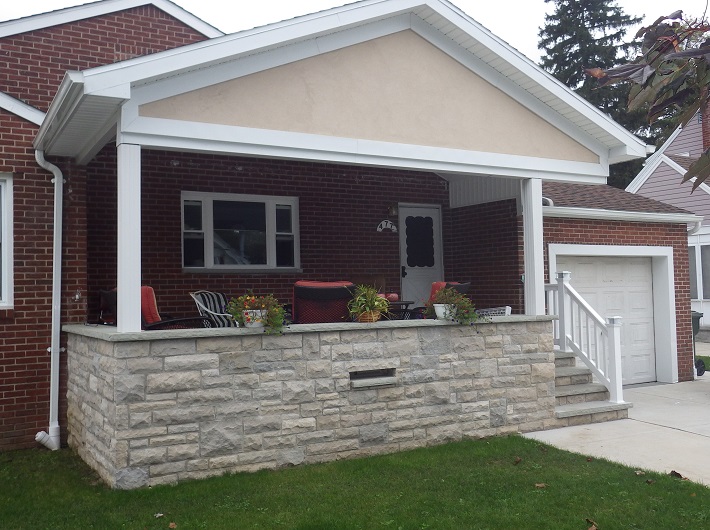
[245, 232]
[5, 240]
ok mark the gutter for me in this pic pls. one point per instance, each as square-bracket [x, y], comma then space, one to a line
[52, 440]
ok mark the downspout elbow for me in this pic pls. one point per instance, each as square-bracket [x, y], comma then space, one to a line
[50, 441]
[695, 228]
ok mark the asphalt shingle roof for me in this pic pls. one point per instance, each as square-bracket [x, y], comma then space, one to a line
[603, 197]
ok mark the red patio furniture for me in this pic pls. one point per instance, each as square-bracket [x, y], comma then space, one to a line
[318, 302]
[152, 319]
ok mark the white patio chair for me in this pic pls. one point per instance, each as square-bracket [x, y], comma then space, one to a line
[214, 306]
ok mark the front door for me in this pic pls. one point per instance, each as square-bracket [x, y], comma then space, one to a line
[420, 251]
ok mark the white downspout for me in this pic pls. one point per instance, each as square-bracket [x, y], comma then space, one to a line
[51, 440]
[694, 230]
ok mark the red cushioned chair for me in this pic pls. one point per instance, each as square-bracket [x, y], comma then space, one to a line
[317, 302]
[152, 319]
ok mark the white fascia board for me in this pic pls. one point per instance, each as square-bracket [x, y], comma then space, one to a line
[68, 96]
[618, 215]
[96, 9]
[652, 164]
[21, 109]
[241, 66]
[206, 137]
[229, 47]
[541, 77]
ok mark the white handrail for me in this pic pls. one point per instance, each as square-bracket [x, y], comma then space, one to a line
[581, 330]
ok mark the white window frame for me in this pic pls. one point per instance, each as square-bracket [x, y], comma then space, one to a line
[6, 242]
[270, 201]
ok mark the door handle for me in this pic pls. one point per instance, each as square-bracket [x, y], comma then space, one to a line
[404, 271]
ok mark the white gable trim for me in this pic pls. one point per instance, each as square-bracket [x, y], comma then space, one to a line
[95, 9]
[652, 164]
[206, 137]
[21, 109]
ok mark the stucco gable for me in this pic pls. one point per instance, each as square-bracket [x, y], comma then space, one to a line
[397, 88]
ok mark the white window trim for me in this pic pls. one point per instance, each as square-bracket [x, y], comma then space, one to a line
[270, 201]
[6, 223]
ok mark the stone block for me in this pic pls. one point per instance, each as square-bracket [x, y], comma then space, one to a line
[337, 446]
[268, 391]
[318, 369]
[298, 425]
[139, 420]
[184, 363]
[543, 373]
[147, 456]
[423, 362]
[278, 441]
[282, 342]
[368, 350]
[291, 457]
[183, 415]
[434, 341]
[207, 396]
[145, 365]
[131, 478]
[235, 362]
[221, 438]
[374, 434]
[129, 350]
[444, 434]
[168, 347]
[173, 382]
[437, 392]
[262, 424]
[298, 391]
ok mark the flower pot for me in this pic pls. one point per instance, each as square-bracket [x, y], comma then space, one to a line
[254, 318]
[445, 311]
[369, 316]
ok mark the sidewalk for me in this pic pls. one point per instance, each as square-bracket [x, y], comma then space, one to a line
[668, 429]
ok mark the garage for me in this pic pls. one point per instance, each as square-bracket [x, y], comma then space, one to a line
[621, 286]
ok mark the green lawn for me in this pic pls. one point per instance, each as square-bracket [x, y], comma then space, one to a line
[506, 483]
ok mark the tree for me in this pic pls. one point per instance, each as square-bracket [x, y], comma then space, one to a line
[671, 77]
[580, 33]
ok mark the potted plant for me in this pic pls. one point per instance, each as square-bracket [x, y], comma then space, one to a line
[367, 305]
[449, 304]
[250, 310]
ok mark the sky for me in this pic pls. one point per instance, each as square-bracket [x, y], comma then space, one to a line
[515, 21]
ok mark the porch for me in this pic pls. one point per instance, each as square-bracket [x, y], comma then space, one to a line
[165, 406]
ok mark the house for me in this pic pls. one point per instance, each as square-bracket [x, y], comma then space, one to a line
[389, 137]
[661, 179]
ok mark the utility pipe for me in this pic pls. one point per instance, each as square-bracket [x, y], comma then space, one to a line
[52, 440]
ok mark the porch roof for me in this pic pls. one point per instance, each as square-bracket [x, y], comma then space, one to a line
[611, 203]
[86, 110]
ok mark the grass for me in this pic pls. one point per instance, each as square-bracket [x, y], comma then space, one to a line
[501, 483]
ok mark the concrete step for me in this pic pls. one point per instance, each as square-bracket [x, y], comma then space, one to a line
[569, 394]
[572, 375]
[591, 412]
[563, 359]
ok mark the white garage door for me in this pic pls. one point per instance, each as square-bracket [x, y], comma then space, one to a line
[620, 286]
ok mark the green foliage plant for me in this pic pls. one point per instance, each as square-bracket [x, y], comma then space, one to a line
[274, 319]
[670, 77]
[462, 309]
[366, 299]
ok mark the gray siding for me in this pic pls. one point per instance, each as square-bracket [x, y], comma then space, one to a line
[665, 185]
[689, 141]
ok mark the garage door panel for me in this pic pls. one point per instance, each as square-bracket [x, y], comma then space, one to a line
[620, 286]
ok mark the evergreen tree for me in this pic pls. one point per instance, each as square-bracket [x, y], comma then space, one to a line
[584, 33]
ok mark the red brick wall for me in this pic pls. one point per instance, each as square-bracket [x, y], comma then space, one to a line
[625, 233]
[32, 66]
[484, 245]
[340, 208]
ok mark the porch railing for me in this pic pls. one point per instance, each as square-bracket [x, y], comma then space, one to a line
[580, 329]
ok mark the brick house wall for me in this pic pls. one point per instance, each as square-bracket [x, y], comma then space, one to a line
[32, 66]
[340, 207]
[485, 247]
[578, 231]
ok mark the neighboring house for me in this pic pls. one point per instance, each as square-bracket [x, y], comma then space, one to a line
[256, 159]
[661, 179]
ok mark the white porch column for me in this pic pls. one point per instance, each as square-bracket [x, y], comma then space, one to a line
[531, 192]
[129, 237]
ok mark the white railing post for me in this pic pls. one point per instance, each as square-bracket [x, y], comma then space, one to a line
[563, 318]
[616, 391]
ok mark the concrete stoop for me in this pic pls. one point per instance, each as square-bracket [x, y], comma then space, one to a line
[579, 400]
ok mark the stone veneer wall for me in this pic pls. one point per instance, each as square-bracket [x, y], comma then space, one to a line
[161, 407]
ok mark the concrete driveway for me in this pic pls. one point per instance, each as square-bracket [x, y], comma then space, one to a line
[668, 429]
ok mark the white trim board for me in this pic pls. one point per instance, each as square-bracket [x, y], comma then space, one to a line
[664, 302]
[21, 109]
